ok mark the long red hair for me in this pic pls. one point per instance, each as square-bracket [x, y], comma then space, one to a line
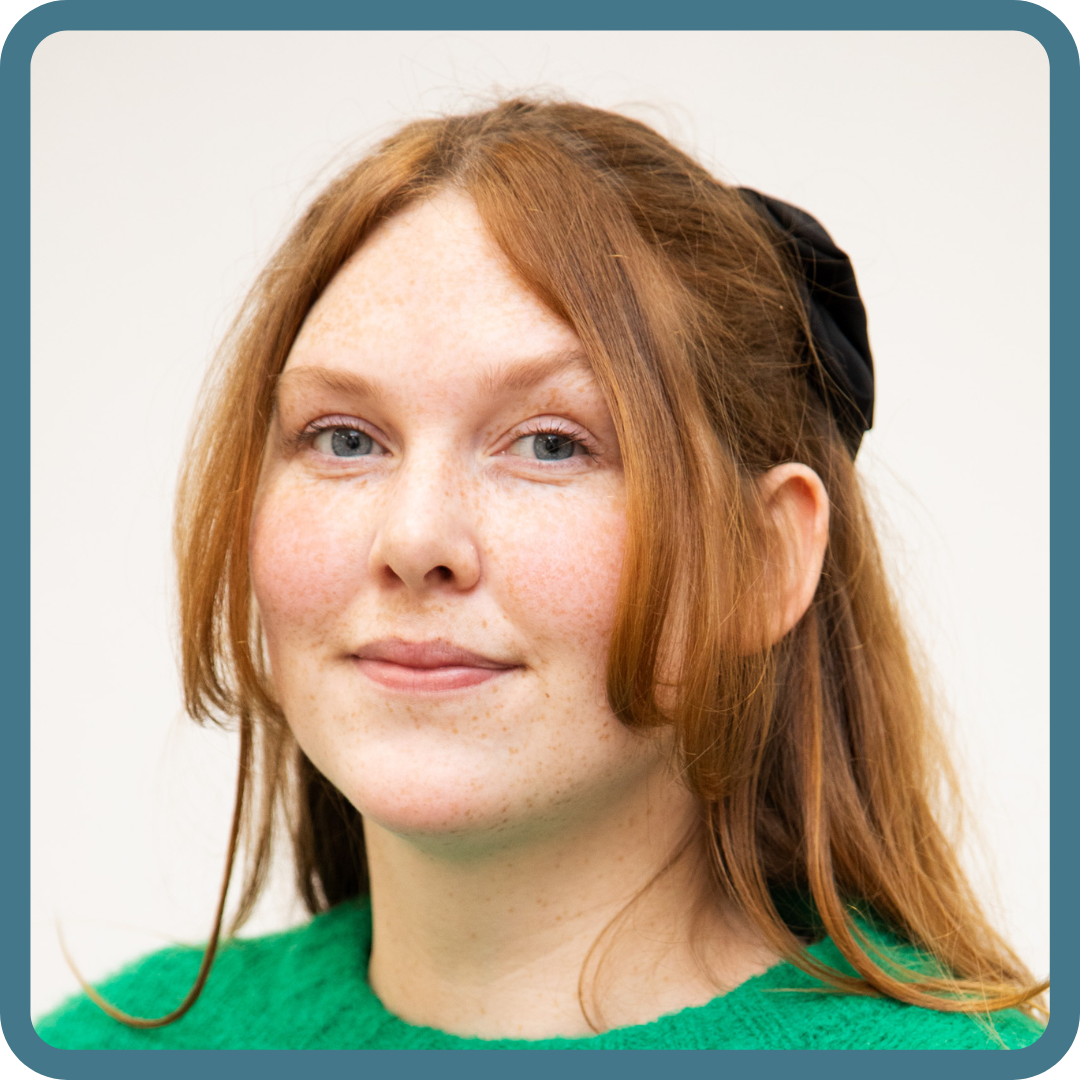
[816, 761]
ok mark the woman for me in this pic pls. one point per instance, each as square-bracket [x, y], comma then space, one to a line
[522, 540]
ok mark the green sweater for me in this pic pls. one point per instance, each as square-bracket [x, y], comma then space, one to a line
[307, 988]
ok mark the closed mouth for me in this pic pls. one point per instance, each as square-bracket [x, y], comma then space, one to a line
[426, 666]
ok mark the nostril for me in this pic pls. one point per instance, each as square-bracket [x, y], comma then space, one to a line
[444, 572]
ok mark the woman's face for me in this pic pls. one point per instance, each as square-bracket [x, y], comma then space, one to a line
[437, 542]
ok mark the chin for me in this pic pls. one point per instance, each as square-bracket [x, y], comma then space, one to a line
[464, 806]
[456, 825]
[433, 797]
[474, 779]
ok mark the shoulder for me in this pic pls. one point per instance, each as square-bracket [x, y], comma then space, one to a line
[850, 1022]
[803, 1012]
[266, 991]
[786, 1008]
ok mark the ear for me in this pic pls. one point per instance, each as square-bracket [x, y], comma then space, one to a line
[797, 513]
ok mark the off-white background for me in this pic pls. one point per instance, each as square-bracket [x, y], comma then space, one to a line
[166, 166]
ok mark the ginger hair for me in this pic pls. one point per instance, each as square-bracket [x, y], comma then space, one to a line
[818, 765]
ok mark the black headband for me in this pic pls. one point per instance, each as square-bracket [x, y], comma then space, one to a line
[837, 317]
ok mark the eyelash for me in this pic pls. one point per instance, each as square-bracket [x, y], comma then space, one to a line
[307, 437]
[328, 423]
[556, 427]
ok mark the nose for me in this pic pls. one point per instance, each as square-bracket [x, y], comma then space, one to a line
[425, 539]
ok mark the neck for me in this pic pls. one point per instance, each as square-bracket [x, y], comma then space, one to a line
[562, 933]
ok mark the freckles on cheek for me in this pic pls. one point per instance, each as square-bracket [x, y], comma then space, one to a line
[562, 571]
[306, 562]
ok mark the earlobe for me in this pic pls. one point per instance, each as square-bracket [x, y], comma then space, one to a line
[796, 508]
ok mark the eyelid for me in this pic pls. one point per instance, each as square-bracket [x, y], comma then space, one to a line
[333, 420]
[306, 436]
[556, 425]
[537, 425]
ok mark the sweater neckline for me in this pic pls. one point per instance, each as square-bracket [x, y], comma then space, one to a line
[781, 976]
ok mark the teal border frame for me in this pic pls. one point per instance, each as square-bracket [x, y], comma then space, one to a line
[59, 15]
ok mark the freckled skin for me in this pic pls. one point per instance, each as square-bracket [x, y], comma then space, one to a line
[446, 535]
[509, 822]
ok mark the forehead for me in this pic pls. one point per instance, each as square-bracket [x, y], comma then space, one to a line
[429, 288]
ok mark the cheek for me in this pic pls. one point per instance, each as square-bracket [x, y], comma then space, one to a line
[559, 570]
[306, 559]
[551, 566]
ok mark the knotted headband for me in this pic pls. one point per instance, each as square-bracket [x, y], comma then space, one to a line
[826, 282]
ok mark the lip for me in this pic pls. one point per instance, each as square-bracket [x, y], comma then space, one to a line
[426, 666]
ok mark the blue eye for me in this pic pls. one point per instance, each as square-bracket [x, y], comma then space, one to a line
[551, 446]
[344, 442]
[548, 446]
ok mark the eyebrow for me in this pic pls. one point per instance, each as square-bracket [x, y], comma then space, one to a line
[527, 373]
[341, 382]
[518, 375]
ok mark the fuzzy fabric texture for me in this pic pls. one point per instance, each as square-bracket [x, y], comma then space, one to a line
[307, 988]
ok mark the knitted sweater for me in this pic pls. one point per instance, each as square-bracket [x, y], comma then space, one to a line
[307, 988]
